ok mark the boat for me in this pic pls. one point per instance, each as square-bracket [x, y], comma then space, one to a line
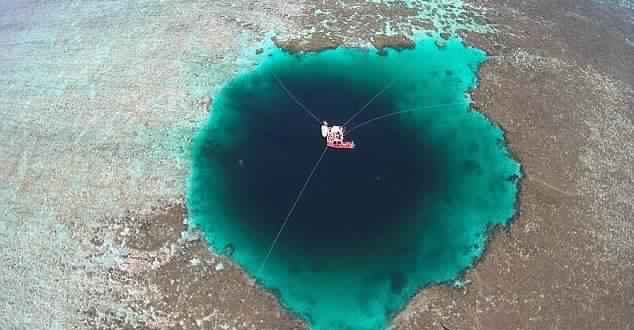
[334, 136]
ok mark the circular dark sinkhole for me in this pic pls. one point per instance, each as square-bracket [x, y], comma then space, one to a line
[409, 206]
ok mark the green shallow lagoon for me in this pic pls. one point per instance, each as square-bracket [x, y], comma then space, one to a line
[409, 207]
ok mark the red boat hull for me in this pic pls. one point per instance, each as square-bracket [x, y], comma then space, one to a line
[341, 145]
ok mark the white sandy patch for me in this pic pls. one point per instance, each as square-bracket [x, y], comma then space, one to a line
[96, 119]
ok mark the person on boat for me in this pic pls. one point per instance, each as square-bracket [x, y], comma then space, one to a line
[324, 129]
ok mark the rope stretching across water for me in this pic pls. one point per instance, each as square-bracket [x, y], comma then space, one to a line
[371, 100]
[290, 212]
[288, 216]
[391, 114]
[310, 113]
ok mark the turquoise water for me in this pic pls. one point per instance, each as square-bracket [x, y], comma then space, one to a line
[409, 207]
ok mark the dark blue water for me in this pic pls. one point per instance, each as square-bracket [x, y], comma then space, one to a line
[410, 206]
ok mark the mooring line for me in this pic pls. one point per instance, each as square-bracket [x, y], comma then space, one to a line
[391, 114]
[550, 186]
[295, 98]
[378, 118]
[292, 209]
[286, 220]
[370, 101]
